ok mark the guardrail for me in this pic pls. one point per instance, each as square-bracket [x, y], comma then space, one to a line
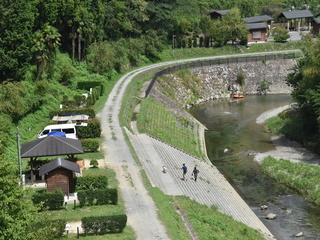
[218, 61]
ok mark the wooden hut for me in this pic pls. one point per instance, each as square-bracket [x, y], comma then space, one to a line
[257, 31]
[60, 173]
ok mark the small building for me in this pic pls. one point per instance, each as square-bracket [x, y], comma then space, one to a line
[218, 14]
[296, 20]
[316, 26]
[257, 31]
[60, 173]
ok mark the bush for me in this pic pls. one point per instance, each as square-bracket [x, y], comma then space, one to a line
[94, 163]
[98, 197]
[104, 224]
[281, 37]
[49, 229]
[49, 200]
[93, 130]
[91, 182]
[90, 145]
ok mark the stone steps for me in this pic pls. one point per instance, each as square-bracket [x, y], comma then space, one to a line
[211, 188]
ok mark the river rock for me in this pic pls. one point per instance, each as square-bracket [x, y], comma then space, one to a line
[271, 216]
[300, 234]
[264, 207]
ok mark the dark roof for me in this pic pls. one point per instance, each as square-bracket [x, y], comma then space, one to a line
[317, 20]
[296, 14]
[59, 163]
[261, 25]
[257, 19]
[51, 146]
[222, 12]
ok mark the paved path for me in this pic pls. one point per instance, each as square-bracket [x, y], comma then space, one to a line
[140, 207]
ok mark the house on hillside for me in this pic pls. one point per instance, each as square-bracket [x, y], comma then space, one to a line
[300, 20]
[257, 31]
[218, 14]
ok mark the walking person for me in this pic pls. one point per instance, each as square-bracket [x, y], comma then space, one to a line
[184, 171]
[195, 173]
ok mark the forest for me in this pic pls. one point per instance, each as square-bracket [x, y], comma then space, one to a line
[48, 46]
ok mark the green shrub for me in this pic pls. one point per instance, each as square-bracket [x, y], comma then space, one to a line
[92, 130]
[90, 145]
[49, 229]
[94, 163]
[91, 182]
[97, 197]
[104, 224]
[49, 200]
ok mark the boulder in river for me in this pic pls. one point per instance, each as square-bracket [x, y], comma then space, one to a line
[271, 216]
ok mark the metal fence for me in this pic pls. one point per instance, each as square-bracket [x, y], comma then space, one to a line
[218, 61]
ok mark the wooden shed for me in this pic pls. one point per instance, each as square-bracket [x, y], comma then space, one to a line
[60, 173]
[257, 31]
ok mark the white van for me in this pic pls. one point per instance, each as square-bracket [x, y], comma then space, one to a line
[68, 129]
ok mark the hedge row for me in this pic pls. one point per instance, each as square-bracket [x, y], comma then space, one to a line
[98, 197]
[104, 224]
[87, 111]
[93, 130]
[49, 200]
[86, 85]
[90, 145]
[91, 182]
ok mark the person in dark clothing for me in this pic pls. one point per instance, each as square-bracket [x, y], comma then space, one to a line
[195, 173]
[184, 171]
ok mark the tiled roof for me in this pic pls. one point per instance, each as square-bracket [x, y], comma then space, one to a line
[51, 146]
[260, 25]
[257, 19]
[297, 14]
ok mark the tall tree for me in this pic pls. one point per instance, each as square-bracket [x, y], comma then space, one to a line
[17, 213]
[233, 26]
[305, 81]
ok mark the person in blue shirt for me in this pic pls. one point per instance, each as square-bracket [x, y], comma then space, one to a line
[184, 171]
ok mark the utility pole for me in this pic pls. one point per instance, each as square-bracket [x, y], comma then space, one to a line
[19, 155]
[173, 36]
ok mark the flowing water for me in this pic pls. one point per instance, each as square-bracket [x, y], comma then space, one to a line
[232, 139]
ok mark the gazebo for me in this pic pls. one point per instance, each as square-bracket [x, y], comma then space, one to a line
[295, 19]
[50, 146]
[59, 173]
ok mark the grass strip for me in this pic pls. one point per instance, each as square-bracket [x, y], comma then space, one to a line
[303, 178]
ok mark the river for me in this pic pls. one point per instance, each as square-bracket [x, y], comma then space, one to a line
[232, 139]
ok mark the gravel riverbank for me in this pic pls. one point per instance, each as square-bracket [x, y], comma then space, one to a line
[285, 148]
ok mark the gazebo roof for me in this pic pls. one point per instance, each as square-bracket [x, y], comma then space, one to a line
[257, 19]
[59, 163]
[297, 14]
[51, 146]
